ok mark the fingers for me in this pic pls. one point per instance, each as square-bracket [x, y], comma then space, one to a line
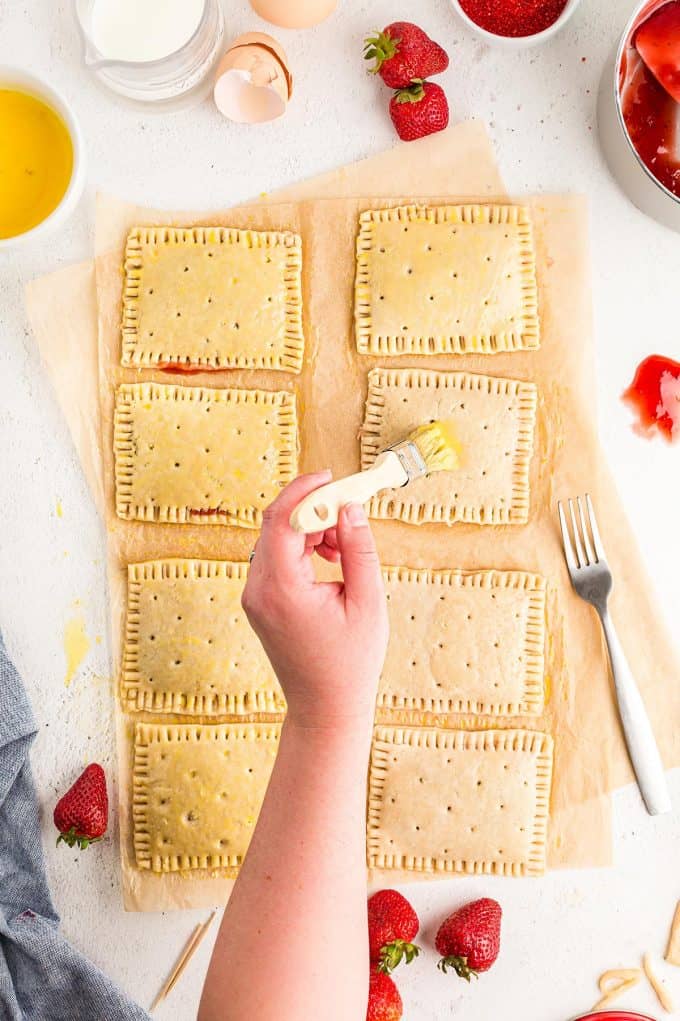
[279, 543]
[359, 558]
[329, 553]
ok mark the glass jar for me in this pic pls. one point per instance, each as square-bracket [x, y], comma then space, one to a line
[178, 79]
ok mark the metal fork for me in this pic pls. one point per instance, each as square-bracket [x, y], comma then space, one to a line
[592, 581]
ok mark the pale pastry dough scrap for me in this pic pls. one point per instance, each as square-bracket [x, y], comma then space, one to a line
[457, 801]
[202, 455]
[614, 983]
[440, 279]
[214, 297]
[464, 641]
[197, 793]
[189, 648]
[673, 948]
[493, 418]
[657, 985]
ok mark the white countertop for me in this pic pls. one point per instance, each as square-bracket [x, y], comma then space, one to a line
[540, 105]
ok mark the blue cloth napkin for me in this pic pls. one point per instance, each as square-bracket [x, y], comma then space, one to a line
[42, 978]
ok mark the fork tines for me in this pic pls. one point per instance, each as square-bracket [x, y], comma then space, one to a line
[581, 552]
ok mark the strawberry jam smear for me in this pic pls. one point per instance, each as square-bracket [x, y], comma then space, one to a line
[513, 17]
[183, 370]
[654, 395]
[649, 83]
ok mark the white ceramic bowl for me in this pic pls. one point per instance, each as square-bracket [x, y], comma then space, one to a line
[521, 42]
[17, 78]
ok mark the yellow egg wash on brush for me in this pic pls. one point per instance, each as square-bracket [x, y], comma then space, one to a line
[438, 445]
[36, 161]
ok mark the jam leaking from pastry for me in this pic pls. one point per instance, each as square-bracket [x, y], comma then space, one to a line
[654, 395]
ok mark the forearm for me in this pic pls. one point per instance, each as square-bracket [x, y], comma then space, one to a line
[293, 941]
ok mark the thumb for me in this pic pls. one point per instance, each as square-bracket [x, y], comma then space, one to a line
[358, 556]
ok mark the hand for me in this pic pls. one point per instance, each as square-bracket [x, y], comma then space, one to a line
[326, 640]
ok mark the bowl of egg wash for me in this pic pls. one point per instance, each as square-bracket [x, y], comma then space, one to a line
[42, 158]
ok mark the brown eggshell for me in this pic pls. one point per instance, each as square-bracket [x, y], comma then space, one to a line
[253, 83]
[269, 43]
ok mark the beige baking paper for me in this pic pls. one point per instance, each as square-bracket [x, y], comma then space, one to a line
[328, 435]
[579, 833]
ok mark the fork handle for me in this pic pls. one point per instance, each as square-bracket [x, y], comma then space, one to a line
[642, 746]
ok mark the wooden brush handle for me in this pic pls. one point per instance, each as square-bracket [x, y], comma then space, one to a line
[320, 509]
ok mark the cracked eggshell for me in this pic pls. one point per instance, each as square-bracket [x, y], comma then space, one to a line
[253, 82]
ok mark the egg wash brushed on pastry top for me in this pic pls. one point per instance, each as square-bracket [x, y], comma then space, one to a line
[431, 447]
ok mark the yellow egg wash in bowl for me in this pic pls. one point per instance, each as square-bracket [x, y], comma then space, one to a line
[36, 161]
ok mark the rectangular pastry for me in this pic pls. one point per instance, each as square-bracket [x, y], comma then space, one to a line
[445, 279]
[213, 298]
[189, 648]
[197, 793]
[464, 642]
[201, 455]
[492, 417]
[455, 801]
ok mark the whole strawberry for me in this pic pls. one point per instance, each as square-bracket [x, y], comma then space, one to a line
[392, 927]
[82, 815]
[384, 1001]
[402, 53]
[419, 110]
[470, 938]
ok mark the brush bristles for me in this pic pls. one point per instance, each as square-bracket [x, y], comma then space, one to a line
[438, 446]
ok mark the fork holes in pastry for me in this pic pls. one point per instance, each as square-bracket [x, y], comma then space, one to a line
[237, 326]
[449, 808]
[150, 291]
[432, 297]
[382, 250]
[152, 638]
[177, 464]
[179, 616]
[409, 271]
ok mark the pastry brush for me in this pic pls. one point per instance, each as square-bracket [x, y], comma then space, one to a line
[429, 448]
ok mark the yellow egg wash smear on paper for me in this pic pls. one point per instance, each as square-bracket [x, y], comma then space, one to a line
[76, 646]
[36, 161]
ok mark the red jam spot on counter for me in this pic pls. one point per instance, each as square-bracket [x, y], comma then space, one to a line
[513, 17]
[649, 78]
[655, 395]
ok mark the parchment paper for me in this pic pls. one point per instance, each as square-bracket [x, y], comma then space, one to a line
[589, 755]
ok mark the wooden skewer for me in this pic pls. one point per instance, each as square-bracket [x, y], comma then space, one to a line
[187, 953]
